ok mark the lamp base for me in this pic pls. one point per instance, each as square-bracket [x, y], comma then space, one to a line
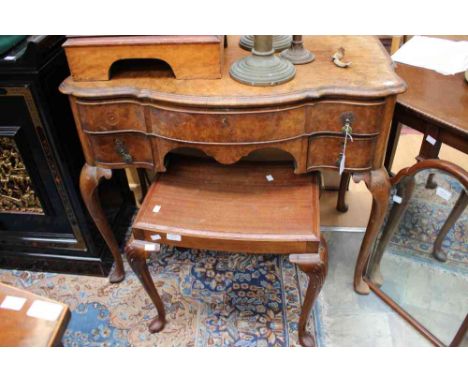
[262, 70]
[280, 42]
[298, 55]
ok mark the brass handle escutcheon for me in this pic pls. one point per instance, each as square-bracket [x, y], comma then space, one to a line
[122, 151]
[347, 120]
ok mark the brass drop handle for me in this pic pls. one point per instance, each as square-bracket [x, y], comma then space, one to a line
[123, 151]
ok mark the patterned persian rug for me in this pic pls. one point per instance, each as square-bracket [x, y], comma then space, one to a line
[211, 299]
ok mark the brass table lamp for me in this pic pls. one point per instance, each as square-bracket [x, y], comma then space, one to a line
[262, 68]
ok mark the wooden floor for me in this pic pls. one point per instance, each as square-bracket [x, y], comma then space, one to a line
[359, 199]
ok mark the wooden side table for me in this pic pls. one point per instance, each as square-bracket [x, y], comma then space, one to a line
[30, 320]
[437, 106]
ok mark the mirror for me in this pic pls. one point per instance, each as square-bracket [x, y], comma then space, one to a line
[419, 263]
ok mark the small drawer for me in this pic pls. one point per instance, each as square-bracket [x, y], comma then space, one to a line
[228, 127]
[330, 116]
[324, 151]
[121, 149]
[112, 116]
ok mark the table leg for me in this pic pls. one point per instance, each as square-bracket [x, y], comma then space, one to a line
[405, 191]
[378, 184]
[315, 265]
[136, 256]
[430, 151]
[341, 205]
[393, 139]
[430, 182]
[89, 180]
[142, 177]
[457, 210]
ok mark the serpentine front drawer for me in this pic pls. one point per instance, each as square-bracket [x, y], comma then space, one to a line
[324, 152]
[121, 149]
[111, 116]
[228, 126]
[329, 116]
[132, 133]
[232, 126]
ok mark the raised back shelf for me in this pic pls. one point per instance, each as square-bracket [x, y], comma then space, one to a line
[189, 57]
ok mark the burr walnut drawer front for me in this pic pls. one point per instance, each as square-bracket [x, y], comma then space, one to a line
[121, 149]
[228, 127]
[330, 116]
[115, 116]
[324, 151]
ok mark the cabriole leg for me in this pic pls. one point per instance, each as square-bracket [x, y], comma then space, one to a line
[89, 181]
[405, 191]
[136, 256]
[378, 183]
[315, 266]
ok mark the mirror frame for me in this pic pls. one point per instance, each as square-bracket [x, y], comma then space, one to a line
[404, 175]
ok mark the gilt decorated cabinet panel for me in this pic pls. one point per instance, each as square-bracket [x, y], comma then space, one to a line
[43, 223]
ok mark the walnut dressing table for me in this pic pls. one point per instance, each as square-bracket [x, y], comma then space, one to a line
[137, 117]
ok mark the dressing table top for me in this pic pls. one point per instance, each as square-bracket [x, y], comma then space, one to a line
[371, 75]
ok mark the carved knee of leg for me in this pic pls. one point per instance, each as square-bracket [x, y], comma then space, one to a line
[135, 254]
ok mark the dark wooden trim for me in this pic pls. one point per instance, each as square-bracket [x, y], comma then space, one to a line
[438, 164]
[40, 262]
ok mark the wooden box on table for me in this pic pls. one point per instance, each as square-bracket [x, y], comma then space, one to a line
[190, 57]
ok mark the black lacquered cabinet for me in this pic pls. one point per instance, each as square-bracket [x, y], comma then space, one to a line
[43, 222]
